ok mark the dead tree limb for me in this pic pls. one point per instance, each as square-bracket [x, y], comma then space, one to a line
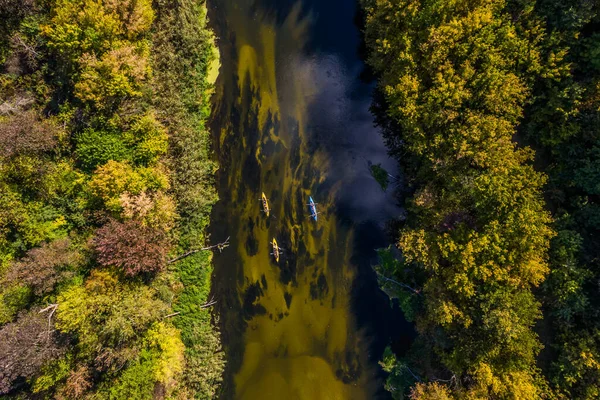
[405, 286]
[219, 246]
[30, 51]
[209, 303]
[52, 308]
[172, 315]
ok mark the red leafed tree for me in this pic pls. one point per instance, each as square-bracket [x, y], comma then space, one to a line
[26, 345]
[26, 133]
[44, 266]
[134, 248]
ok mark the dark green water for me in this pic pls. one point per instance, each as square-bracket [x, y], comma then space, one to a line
[291, 119]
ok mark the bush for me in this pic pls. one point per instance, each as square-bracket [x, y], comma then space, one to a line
[95, 148]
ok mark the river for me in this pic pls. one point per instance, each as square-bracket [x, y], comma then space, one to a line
[291, 119]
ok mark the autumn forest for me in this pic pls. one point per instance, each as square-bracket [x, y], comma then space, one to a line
[108, 178]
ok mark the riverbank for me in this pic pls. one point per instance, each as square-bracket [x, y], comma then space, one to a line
[188, 69]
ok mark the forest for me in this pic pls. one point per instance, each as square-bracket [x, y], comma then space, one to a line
[105, 179]
[492, 108]
[107, 183]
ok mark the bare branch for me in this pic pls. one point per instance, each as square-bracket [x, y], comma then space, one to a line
[52, 307]
[30, 50]
[172, 315]
[416, 291]
[209, 303]
[452, 381]
[219, 246]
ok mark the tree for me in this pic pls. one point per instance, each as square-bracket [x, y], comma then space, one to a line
[43, 267]
[92, 27]
[26, 345]
[149, 139]
[157, 211]
[118, 74]
[113, 179]
[455, 79]
[157, 369]
[430, 391]
[84, 141]
[131, 247]
[108, 318]
[25, 133]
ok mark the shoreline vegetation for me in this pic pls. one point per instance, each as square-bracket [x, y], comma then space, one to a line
[105, 176]
[493, 108]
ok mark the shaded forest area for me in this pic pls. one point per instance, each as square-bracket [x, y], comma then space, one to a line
[105, 176]
[493, 109]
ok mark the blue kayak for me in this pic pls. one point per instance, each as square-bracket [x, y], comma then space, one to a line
[313, 208]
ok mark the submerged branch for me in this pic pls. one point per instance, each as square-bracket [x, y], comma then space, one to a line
[209, 303]
[417, 378]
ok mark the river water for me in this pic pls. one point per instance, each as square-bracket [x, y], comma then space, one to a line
[291, 119]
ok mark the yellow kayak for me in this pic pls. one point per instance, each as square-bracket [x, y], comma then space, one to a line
[275, 250]
[265, 204]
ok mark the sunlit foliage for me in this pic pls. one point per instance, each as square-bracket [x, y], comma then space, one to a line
[455, 79]
[563, 122]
